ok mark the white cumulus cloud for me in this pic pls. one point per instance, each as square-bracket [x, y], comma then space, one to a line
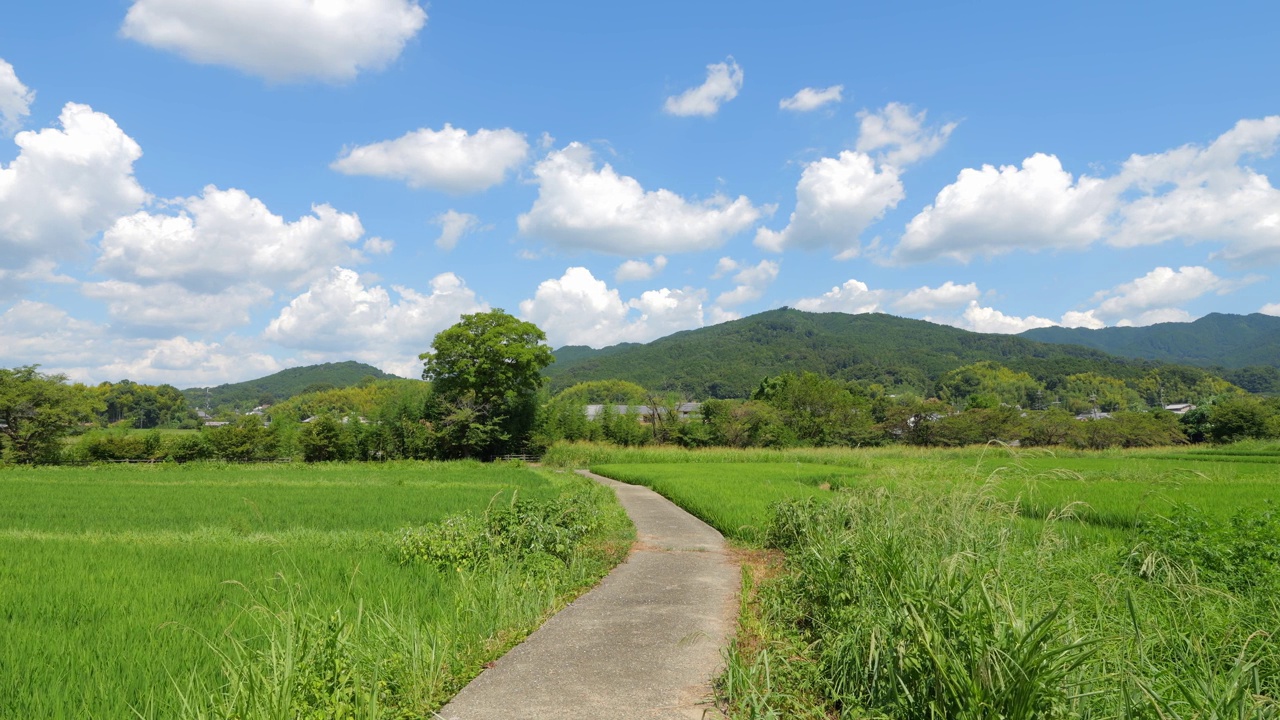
[223, 238]
[578, 309]
[809, 99]
[853, 297]
[35, 332]
[1270, 309]
[1206, 194]
[723, 82]
[340, 317]
[751, 281]
[639, 269]
[454, 226]
[580, 206]
[836, 200]
[948, 294]
[168, 308]
[450, 159]
[900, 135]
[65, 186]
[1191, 193]
[997, 210]
[15, 100]
[280, 40]
[1160, 289]
[989, 320]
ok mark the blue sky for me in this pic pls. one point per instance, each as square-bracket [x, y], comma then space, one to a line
[201, 191]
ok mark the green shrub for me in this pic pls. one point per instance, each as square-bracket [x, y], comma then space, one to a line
[1241, 555]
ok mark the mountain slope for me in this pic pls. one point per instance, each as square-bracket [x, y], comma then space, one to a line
[282, 385]
[730, 360]
[1230, 341]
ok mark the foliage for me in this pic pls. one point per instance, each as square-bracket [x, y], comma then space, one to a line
[37, 410]
[1241, 554]
[324, 439]
[1240, 418]
[485, 372]
[730, 360]
[819, 411]
[515, 532]
[1232, 341]
[143, 406]
[281, 386]
[989, 384]
[244, 440]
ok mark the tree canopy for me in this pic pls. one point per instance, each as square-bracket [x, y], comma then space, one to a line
[36, 410]
[485, 373]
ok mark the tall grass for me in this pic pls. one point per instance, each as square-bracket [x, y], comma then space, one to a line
[206, 591]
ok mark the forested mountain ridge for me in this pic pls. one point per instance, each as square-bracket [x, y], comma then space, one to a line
[282, 385]
[1215, 340]
[729, 360]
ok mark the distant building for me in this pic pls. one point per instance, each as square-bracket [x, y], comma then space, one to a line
[684, 411]
[1180, 408]
[1093, 415]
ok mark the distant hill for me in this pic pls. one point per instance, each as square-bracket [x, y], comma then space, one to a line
[282, 385]
[1215, 340]
[729, 360]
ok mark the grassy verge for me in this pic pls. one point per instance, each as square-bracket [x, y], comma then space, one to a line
[975, 583]
[206, 591]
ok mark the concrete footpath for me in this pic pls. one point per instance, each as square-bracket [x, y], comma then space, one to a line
[644, 644]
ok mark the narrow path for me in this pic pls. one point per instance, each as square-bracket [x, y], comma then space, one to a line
[644, 644]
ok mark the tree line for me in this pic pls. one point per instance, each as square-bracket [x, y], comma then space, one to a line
[485, 396]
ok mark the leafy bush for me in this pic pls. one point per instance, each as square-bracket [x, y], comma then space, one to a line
[517, 532]
[1242, 555]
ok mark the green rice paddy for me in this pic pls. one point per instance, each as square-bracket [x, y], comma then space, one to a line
[141, 591]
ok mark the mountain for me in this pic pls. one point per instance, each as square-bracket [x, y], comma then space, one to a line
[282, 385]
[1215, 340]
[729, 360]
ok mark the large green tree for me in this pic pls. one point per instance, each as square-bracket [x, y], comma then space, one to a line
[485, 373]
[37, 410]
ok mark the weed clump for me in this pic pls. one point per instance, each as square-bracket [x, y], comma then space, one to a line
[517, 532]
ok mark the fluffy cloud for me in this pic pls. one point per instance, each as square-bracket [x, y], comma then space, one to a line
[900, 135]
[808, 99]
[169, 308]
[225, 238]
[724, 266]
[1270, 309]
[1159, 315]
[451, 159]
[1190, 193]
[1160, 290]
[65, 186]
[578, 309]
[989, 320]
[453, 227]
[1205, 194]
[639, 269]
[579, 206]
[15, 100]
[88, 352]
[996, 210]
[948, 294]
[338, 316]
[279, 39]
[853, 297]
[836, 200]
[751, 284]
[723, 82]
[1088, 319]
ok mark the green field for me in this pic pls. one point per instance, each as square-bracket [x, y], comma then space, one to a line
[163, 591]
[992, 582]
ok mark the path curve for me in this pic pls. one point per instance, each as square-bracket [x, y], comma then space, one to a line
[644, 644]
